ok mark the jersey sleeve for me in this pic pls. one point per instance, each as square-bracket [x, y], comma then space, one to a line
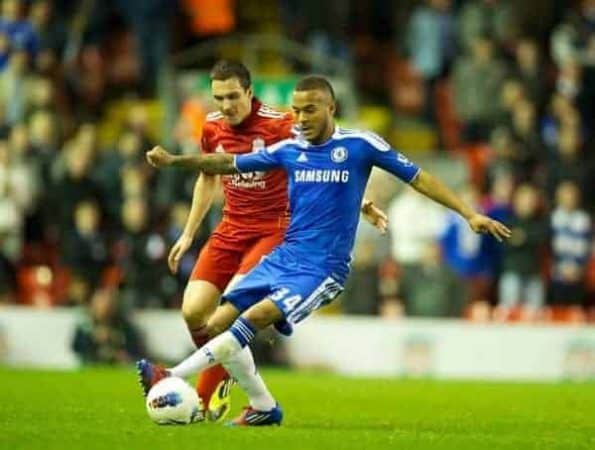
[267, 159]
[394, 162]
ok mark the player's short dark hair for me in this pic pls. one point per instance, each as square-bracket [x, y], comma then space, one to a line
[225, 69]
[315, 82]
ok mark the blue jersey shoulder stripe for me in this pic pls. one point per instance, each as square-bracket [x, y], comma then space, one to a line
[371, 138]
[277, 145]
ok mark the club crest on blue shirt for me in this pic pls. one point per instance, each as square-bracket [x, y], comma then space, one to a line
[339, 154]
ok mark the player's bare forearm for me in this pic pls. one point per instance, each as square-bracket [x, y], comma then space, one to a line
[212, 164]
[435, 189]
[202, 198]
[439, 192]
[185, 161]
[218, 164]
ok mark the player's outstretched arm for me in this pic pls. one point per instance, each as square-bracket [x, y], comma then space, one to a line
[214, 164]
[436, 190]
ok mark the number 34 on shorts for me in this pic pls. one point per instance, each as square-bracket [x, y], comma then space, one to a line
[297, 300]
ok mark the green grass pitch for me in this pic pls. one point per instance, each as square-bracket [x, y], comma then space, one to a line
[102, 409]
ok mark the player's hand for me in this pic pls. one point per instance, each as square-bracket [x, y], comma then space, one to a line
[159, 157]
[375, 215]
[483, 224]
[177, 251]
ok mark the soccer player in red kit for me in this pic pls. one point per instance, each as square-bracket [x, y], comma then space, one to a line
[255, 217]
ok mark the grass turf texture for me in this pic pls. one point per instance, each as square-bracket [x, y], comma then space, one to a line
[103, 409]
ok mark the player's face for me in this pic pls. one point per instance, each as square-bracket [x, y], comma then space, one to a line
[314, 111]
[234, 102]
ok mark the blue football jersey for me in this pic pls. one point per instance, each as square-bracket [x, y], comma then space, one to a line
[326, 185]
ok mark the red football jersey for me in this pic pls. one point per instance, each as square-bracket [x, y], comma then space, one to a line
[256, 195]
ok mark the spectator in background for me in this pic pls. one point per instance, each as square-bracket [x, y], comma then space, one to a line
[575, 82]
[504, 153]
[497, 203]
[430, 43]
[19, 30]
[496, 19]
[137, 121]
[477, 80]
[410, 237]
[568, 163]
[24, 156]
[14, 82]
[141, 254]
[150, 23]
[511, 93]
[105, 335]
[84, 247]
[326, 31]
[571, 242]
[43, 138]
[521, 282]
[51, 32]
[433, 290]
[73, 183]
[109, 174]
[134, 183]
[41, 96]
[21, 151]
[572, 37]
[17, 195]
[561, 113]
[527, 142]
[361, 294]
[528, 70]
[468, 254]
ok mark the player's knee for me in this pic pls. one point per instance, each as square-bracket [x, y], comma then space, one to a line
[196, 310]
[194, 316]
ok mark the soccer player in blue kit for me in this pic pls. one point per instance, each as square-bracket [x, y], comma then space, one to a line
[328, 169]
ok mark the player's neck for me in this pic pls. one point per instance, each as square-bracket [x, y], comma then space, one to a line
[254, 106]
[324, 136]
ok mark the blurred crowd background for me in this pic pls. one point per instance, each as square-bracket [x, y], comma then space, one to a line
[495, 96]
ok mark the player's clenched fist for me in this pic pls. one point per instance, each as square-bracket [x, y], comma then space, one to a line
[159, 157]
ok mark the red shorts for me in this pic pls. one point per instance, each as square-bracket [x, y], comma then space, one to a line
[235, 249]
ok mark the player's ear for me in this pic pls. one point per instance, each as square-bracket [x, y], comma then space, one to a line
[250, 92]
[333, 108]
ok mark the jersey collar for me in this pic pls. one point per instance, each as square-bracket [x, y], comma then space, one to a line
[335, 135]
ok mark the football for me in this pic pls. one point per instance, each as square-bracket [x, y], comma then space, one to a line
[172, 401]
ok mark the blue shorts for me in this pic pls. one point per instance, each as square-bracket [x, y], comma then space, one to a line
[297, 290]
